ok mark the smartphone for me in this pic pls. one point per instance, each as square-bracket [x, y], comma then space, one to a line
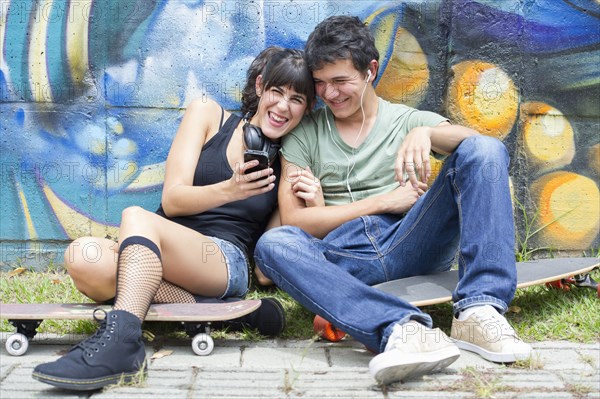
[261, 156]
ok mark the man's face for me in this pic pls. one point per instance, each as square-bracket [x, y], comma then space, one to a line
[340, 86]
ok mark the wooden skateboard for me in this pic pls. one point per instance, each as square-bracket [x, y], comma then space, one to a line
[437, 288]
[196, 317]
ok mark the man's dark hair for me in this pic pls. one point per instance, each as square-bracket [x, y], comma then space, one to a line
[340, 37]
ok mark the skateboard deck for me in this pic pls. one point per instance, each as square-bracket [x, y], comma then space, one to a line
[437, 288]
[197, 317]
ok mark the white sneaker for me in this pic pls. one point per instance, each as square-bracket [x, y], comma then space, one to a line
[413, 350]
[487, 333]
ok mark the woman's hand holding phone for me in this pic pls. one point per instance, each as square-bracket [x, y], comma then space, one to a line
[250, 178]
[253, 155]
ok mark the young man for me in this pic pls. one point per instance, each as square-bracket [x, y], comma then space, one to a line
[357, 212]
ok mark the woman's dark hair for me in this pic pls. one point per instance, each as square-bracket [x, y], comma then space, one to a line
[340, 37]
[279, 67]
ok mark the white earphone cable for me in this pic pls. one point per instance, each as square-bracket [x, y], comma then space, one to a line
[350, 168]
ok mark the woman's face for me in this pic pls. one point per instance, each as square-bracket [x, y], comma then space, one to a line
[280, 109]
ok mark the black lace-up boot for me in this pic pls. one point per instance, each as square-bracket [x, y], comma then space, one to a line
[268, 319]
[115, 353]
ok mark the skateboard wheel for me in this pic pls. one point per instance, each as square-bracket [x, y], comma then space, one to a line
[17, 344]
[203, 344]
[326, 330]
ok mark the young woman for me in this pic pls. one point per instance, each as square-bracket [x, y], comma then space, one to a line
[198, 242]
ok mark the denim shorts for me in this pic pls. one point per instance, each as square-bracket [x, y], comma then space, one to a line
[237, 269]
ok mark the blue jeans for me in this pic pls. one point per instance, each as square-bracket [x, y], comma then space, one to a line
[467, 212]
[237, 269]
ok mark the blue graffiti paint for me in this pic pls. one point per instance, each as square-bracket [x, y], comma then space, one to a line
[20, 117]
[147, 57]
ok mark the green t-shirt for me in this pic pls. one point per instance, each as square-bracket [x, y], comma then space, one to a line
[368, 169]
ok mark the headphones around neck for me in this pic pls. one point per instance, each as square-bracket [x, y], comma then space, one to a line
[254, 139]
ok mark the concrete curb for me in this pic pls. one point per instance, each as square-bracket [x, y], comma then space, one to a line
[306, 369]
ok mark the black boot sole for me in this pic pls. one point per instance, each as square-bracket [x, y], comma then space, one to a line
[92, 383]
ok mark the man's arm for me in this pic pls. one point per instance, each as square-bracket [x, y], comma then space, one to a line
[320, 220]
[412, 161]
[445, 137]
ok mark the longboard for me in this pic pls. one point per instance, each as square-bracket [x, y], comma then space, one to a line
[197, 317]
[437, 288]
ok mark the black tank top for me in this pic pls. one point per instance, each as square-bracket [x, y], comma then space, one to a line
[240, 222]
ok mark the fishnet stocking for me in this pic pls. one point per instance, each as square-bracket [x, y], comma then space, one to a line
[170, 293]
[139, 273]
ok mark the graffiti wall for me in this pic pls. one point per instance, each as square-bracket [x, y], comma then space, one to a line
[92, 92]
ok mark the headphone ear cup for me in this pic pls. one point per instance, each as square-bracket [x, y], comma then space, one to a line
[253, 137]
[255, 140]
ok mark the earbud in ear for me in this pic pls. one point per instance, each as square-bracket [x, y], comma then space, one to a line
[368, 75]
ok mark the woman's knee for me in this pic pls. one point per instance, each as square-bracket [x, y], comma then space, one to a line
[136, 220]
[82, 252]
[134, 214]
[85, 255]
[92, 264]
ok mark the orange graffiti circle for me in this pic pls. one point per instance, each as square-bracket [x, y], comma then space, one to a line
[547, 136]
[482, 96]
[569, 216]
[406, 76]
